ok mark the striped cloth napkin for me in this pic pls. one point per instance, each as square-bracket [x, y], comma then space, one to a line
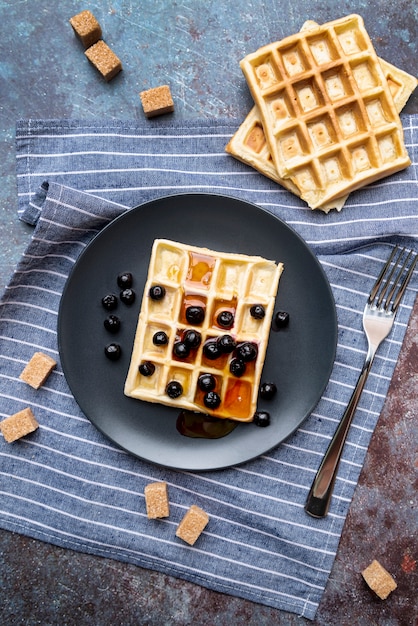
[68, 484]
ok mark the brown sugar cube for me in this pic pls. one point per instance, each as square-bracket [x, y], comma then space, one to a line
[156, 500]
[192, 524]
[104, 60]
[38, 369]
[87, 28]
[157, 101]
[379, 580]
[18, 425]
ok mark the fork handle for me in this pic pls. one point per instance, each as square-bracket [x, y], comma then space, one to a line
[319, 497]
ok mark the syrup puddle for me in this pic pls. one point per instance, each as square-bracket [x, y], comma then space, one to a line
[192, 424]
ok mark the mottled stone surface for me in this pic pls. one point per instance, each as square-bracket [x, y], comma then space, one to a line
[195, 46]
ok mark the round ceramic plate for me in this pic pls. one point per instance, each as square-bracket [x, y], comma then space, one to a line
[299, 358]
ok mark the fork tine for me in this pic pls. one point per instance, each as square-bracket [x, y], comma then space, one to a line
[384, 291]
[396, 281]
[385, 279]
[379, 280]
[405, 282]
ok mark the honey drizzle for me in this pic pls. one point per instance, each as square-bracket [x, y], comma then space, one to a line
[200, 270]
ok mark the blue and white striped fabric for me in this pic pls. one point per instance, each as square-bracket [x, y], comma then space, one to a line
[67, 484]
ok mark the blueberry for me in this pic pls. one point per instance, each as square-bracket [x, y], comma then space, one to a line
[112, 323]
[247, 352]
[211, 400]
[174, 389]
[146, 368]
[268, 391]
[113, 351]
[261, 418]
[181, 350]
[125, 280]
[110, 302]
[226, 343]
[211, 350]
[127, 296]
[160, 338]
[225, 319]
[257, 311]
[195, 314]
[206, 382]
[237, 367]
[192, 338]
[281, 319]
[157, 292]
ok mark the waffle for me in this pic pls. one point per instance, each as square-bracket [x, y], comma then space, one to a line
[249, 143]
[327, 110]
[217, 282]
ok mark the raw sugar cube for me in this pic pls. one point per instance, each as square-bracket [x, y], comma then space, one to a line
[86, 28]
[38, 369]
[192, 524]
[379, 580]
[157, 101]
[18, 425]
[156, 500]
[104, 60]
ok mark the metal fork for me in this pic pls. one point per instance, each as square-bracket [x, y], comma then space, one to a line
[378, 317]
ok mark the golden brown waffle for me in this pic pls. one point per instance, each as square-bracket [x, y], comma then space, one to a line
[327, 110]
[401, 84]
[249, 143]
[217, 282]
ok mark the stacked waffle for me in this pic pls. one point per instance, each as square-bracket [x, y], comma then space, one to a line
[326, 115]
[203, 330]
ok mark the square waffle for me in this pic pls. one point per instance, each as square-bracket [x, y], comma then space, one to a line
[249, 143]
[327, 110]
[217, 282]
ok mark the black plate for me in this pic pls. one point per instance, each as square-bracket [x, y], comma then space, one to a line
[299, 359]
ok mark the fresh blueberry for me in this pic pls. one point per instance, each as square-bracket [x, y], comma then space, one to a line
[160, 338]
[146, 368]
[112, 323]
[125, 280]
[257, 311]
[127, 296]
[247, 352]
[113, 351]
[181, 350]
[237, 367]
[157, 292]
[206, 382]
[268, 391]
[192, 338]
[226, 343]
[211, 400]
[110, 302]
[261, 418]
[195, 314]
[174, 389]
[281, 319]
[225, 319]
[211, 350]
